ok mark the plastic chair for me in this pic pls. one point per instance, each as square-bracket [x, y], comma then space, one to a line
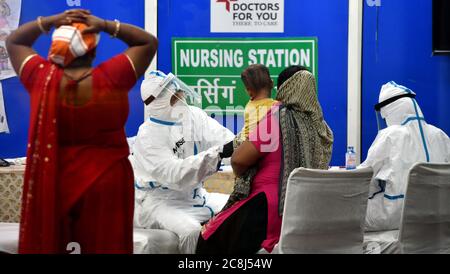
[150, 241]
[425, 225]
[324, 211]
[9, 238]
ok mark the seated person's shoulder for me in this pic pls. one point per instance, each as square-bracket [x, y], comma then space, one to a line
[276, 105]
[197, 112]
[143, 129]
[150, 135]
[275, 109]
[437, 131]
[388, 138]
[395, 132]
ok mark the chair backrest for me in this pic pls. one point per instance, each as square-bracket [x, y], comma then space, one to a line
[425, 226]
[325, 211]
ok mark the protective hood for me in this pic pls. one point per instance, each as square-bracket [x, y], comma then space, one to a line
[397, 104]
[162, 87]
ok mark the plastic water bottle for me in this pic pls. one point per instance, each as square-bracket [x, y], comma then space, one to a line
[350, 158]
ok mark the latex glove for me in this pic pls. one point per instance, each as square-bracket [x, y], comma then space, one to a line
[227, 151]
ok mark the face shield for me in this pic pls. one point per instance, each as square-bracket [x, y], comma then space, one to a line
[191, 97]
[158, 84]
[167, 97]
[381, 122]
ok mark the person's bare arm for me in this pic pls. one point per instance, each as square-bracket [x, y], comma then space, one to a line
[19, 43]
[244, 157]
[141, 44]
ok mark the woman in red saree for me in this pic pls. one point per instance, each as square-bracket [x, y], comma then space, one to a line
[78, 187]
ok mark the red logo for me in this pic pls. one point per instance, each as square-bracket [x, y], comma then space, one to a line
[227, 3]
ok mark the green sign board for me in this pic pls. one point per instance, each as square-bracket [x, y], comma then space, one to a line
[213, 66]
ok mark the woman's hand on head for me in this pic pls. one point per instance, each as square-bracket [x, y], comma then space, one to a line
[95, 24]
[68, 17]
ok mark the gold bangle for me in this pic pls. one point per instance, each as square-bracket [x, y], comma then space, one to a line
[116, 32]
[39, 23]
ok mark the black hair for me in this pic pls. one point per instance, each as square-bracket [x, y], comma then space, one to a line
[85, 60]
[257, 77]
[288, 73]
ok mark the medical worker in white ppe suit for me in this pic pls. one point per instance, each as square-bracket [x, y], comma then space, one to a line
[175, 150]
[407, 140]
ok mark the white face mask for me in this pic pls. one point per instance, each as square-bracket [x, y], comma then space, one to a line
[161, 108]
[163, 87]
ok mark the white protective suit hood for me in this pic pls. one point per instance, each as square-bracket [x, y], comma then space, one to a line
[163, 87]
[398, 106]
[401, 109]
[407, 140]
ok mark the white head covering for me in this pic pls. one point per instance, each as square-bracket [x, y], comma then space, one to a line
[153, 85]
[69, 43]
[400, 110]
[161, 87]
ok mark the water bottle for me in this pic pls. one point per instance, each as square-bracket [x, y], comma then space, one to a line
[350, 158]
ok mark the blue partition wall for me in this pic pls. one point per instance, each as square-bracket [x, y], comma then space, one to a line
[398, 47]
[17, 99]
[325, 19]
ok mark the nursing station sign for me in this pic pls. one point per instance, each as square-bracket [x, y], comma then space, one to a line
[212, 67]
[247, 16]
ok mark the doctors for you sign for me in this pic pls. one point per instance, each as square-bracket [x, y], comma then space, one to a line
[213, 66]
[247, 15]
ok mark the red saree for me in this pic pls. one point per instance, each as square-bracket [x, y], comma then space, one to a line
[78, 185]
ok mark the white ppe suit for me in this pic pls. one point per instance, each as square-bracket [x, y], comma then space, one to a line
[407, 140]
[171, 158]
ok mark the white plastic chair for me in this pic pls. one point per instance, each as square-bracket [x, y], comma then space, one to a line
[154, 241]
[145, 241]
[425, 224]
[324, 211]
[9, 238]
